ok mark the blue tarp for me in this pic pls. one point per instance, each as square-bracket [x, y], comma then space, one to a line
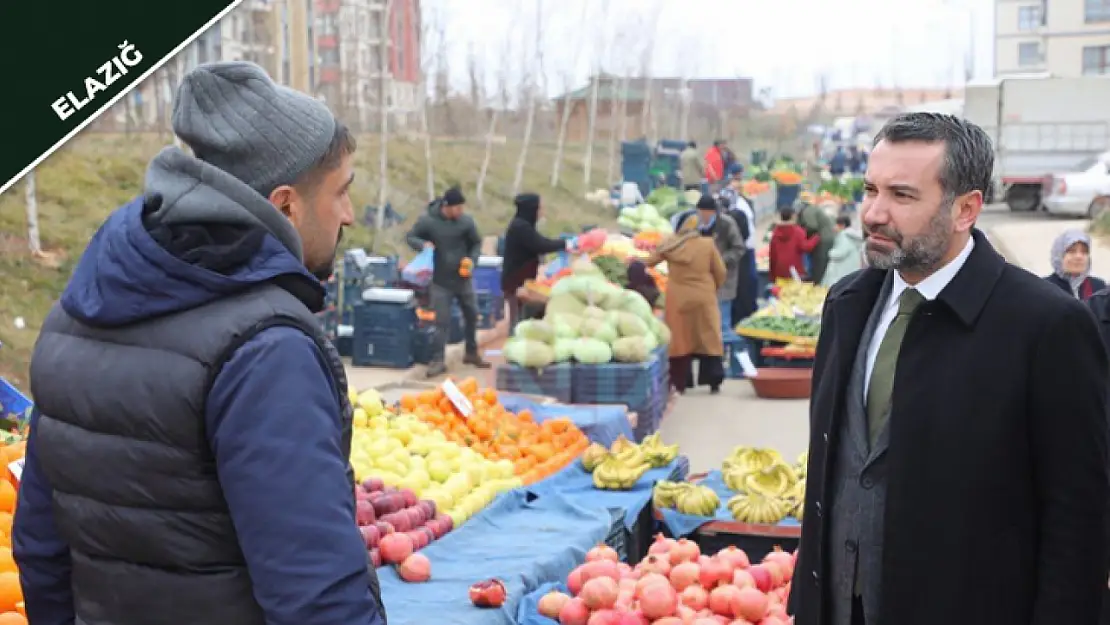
[685, 524]
[528, 612]
[600, 423]
[576, 483]
[523, 543]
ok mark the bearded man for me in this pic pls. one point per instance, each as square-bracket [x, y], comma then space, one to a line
[958, 433]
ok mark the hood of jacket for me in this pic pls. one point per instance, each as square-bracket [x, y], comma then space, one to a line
[528, 208]
[196, 235]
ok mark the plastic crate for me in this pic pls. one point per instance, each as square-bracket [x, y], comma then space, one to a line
[487, 279]
[630, 384]
[389, 317]
[423, 342]
[13, 402]
[491, 309]
[381, 271]
[650, 416]
[382, 348]
[555, 381]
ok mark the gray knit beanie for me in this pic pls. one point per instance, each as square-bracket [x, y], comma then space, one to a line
[237, 119]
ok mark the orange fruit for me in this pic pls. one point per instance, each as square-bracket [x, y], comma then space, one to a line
[21, 608]
[10, 592]
[13, 618]
[7, 497]
[7, 562]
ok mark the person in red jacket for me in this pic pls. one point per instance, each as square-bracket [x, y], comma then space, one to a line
[788, 247]
[715, 164]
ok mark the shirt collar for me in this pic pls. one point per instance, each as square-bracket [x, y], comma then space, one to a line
[931, 286]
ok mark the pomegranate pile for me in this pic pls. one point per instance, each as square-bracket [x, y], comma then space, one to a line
[394, 523]
[675, 584]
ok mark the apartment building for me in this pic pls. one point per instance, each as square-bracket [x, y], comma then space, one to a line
[349, 45]
[1063, 37]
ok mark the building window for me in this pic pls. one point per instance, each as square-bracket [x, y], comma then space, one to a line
[1096, 10]
[1096, 60]
[1030, 18]
[1029, 54]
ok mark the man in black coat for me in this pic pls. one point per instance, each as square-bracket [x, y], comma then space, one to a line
[958, 432]
[524, 245]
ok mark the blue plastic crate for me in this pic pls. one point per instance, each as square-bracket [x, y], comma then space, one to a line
[551, 381]
[487, 280]
[649, 416]
[491, 309]
[382, 271]
[382, 349]
[423, 342]
[630, 384]
[387, 316]
[13, 402]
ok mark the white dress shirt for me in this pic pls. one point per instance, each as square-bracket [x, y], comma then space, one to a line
[929, 288]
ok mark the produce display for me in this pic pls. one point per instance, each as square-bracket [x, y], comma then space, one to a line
[622, 465]
[12, 611]
[394, 524]
[591, 321]
[781, 326]
[668, 201]
[840, 190]
[648, 241]
[613, 268]
[401, 453]
[752, 188]
[768, 489]
[509, 447]
[686, 498]
[643, 218]
[793, 298]
[675, 585]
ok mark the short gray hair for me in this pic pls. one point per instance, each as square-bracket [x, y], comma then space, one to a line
[968, 152]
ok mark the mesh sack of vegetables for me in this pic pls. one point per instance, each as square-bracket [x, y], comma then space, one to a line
[528, 353]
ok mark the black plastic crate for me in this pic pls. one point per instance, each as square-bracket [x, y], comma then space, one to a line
[382, 271]
[382, 349]
[384, 316]
[551, 381]
[630, 384]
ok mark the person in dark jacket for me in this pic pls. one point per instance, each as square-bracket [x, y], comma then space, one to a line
[940, 349]
[640, 280]
[1071, 265]
[788, 247]
[454, 236]
[524, 245]
[188, 455]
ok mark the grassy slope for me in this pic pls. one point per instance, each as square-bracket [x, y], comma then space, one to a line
[81, 184]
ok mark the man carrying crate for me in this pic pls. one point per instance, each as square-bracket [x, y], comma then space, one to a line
[454, 236]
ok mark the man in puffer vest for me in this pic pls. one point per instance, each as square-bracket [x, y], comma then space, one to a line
[188, 457]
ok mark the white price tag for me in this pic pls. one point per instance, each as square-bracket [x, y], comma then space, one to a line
[462, 404]
[17, 469]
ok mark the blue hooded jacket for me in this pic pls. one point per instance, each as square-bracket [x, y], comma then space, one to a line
[283, 475]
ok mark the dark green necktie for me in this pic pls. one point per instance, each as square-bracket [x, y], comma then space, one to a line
[882, 374]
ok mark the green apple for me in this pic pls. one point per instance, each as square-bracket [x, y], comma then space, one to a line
[361, 419]
[439, 469]
[371, 402]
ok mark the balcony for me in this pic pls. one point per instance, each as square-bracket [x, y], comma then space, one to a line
[327, 6]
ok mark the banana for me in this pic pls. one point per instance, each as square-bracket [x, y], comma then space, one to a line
[699, 500]
[771, 482]
[616, 475]
[621, 444]
[594, 455]
[758, 509]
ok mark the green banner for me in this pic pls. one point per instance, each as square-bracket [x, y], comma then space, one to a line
[67, 61]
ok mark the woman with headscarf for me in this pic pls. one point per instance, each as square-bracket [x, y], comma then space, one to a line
[524, 246]
[695, 273]
[1071, 265]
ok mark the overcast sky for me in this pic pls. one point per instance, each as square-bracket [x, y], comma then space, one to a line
[784, 45]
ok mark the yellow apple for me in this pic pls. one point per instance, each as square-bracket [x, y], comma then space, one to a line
[371, 402]
[361, 419]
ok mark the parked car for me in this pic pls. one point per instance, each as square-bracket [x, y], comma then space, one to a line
[1085, 193]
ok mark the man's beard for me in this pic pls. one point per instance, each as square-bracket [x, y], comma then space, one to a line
[325, 270]
[920, 254]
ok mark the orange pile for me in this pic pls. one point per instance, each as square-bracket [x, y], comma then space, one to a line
[536, 450]
[783, 176]
[11, 594]
[755, 187]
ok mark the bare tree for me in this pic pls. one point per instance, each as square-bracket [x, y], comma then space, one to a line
[503, 92]
[34, 243]
[383, 108]
[534, 96]
[424, 128]
[588, 161]
[560, 142]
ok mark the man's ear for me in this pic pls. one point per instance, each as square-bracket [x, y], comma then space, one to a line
[282, 198]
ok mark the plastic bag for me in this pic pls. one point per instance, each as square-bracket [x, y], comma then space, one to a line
[419, 271]
[560, 262]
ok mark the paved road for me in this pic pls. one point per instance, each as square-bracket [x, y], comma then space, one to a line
[707, 427]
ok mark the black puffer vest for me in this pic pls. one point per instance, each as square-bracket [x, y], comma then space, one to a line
[136, 494]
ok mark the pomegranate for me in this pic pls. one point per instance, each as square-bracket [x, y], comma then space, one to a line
[574, 612]
[714, 572]
[649, 579]
[599, 593]
[686, 614]
[575, 581]
[706, 620]
[627, 584]
[491, 593]
[655, 564]
[658, 599]
[749, 603]
[668, 620]
[661, 546]
[602, 552]
[625, 570]
[720, 599]
[415, 568]
[683, 575]
[774, 620]
[694, 597]
[735, 556]
[783, 560]
[742, 579]
[601, 568]
[684, 551]
[634, 617]
[605, 617]
[552, 603]
[762, 577]
[773, 568]
[395, 547]
[777, 611]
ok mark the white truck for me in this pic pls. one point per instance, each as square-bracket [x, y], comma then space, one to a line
[1040, 125]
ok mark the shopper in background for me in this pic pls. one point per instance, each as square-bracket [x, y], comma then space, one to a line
[715, 166]
[846, 255]
[942, 350]
[454, 236]
[524, 245]
[816, 220]
[691, 168]
[188, 454]
[695, 273]
[788, 247]
[1071, 265]
[740, 209]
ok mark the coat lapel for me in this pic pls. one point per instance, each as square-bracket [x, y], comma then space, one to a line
[851, 310]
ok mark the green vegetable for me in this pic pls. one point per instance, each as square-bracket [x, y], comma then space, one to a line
[564, 349]
[565, 325]
[536, 330]
[629, 324]
[631, 349]
[790, 326]
[661, 331]
[592, 351]
[528, 353]
[613, 269]
[599, 329]
[564, 303]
